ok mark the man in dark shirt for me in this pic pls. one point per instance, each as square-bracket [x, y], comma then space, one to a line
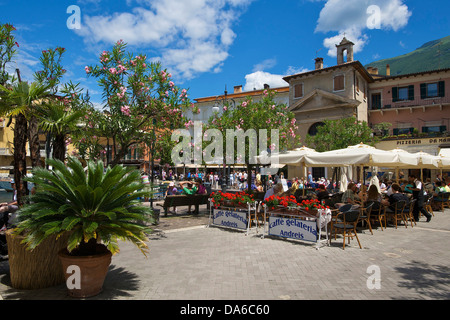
[396, 196]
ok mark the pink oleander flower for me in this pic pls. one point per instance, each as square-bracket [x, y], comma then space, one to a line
[87, 69]
[126, 110]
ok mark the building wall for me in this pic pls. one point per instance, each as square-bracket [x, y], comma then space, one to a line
[385, 87]
[321, 108]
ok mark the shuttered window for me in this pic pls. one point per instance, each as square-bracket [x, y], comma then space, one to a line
[298, 91]
[339, 83]
[402, 93]
[432, 90]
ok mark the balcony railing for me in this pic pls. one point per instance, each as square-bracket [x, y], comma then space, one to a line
[416, 102]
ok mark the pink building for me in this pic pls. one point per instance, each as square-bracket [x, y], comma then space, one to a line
[417, 105]
[419, 100]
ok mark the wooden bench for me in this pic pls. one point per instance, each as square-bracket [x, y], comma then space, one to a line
[185, 200]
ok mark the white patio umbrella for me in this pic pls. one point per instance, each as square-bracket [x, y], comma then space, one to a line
[374, 180]
[343, 182]
[291, 157]
[359, 155]
[424, 160]
[443, 159]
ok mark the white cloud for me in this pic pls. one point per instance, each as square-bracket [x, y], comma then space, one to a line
[258, 79]
[192, 36]
[264, 65]
[352, 18]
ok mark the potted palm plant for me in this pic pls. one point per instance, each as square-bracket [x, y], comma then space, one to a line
[95, 207]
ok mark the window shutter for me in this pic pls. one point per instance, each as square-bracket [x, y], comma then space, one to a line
[423, 91]
[441, 89]
[339, 83]
[411, 92]
[298, 91]
[395, 94]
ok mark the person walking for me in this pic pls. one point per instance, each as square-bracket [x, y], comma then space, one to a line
[418, 194]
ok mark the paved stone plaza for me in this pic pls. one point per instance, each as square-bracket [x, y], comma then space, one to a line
[200, 263]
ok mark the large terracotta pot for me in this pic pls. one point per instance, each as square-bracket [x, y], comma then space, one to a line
[92, 272]
[35, 269]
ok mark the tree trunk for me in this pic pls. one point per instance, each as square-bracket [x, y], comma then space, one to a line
[20, 157]
[118, 156]
[34, 144]
[59, 147]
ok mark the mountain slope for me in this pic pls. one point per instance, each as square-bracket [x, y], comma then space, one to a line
[432, 55]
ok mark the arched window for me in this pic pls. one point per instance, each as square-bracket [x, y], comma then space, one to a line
[313, 129]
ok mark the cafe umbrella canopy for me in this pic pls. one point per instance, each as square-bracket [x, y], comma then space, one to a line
[291, 157]
[361, 155]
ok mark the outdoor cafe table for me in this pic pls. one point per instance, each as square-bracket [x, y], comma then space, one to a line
[297, 224]
[232, 217]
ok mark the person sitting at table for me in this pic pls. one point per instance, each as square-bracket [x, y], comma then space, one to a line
[362, 194]
[408, 188]
[396, 196]
[259, 186]
[436, 204]
[322, 193]
[350, 196]
[275, 190]
[439, 188]
[373, 194]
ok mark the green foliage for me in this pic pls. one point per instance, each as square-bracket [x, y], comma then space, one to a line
[92, 204]
[339, 134]
[52, 69]
[139, 97]
[259, 115]
[21, 97]
[7, 49]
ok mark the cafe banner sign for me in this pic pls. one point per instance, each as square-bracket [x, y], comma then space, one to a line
[231, 218]
[294, 228]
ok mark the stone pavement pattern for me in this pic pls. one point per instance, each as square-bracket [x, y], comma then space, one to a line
[200, 263]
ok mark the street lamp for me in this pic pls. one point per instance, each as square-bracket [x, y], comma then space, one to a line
[152, 164]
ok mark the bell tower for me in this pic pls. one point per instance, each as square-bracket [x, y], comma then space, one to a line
[345, 45]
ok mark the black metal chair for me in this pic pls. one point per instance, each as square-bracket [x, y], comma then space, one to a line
[379, 213]
[443, 199]
[366, 215]
[347, 226]
[409, 212]
[398, 213]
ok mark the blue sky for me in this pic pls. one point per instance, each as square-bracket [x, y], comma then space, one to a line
[210, 44]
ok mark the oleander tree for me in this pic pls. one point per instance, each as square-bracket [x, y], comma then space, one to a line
[50, 77]
[255, 116]
[141, 104]
[8, 46]
[341, 133]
